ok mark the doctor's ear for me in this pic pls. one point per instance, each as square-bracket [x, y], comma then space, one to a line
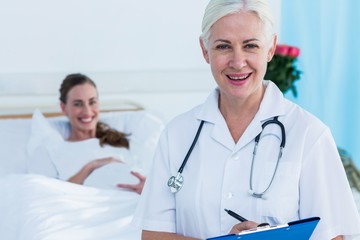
[272, 48]
[204, 50]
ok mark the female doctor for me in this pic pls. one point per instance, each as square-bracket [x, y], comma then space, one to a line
[252, 151]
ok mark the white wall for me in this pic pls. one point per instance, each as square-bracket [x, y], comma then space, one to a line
[93, 35]
[146, 51]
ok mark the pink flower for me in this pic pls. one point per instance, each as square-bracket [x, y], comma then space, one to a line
[282, 69]
[286, 50]
[282, 49]
[294, 52]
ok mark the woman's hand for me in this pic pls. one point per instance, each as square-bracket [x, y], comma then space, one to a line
[81, 176]
[135, 187]
[243, 226]
[98, 163]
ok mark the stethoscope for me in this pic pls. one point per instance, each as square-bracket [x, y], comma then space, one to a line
[175, 182]
[282, 145]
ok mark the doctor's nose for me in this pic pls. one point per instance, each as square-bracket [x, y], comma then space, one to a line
[237, 60]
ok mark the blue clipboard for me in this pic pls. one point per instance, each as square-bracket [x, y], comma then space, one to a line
[296, 230]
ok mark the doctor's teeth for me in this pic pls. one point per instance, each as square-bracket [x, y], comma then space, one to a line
[238, 78]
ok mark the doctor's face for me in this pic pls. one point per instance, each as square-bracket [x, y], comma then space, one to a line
[82, 108]
[238, 52]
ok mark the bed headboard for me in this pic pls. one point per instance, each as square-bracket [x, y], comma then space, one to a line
[53, 110]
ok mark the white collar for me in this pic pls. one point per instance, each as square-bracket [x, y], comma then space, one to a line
[272, 104]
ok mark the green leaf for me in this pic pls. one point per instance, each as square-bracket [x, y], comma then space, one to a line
[283, 72]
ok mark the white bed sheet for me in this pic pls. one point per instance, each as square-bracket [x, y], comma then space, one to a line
[39, 208]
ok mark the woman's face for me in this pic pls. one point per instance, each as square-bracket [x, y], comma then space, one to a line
[238, 51]
[82, 108]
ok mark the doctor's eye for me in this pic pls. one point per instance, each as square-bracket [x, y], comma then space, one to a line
[251, 46]
[223, 46]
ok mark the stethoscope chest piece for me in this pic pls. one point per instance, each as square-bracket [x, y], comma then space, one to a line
[175, 183]
[257, 195]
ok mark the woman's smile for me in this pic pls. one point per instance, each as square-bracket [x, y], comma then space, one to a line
[86, 120]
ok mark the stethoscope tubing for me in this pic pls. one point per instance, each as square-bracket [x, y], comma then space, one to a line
[175, 182]
[277, 122]
[282, 145]
[181, 169]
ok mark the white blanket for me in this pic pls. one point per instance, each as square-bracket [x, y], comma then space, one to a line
[35, 207]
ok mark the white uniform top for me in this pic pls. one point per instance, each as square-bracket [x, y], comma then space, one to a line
[310, 179]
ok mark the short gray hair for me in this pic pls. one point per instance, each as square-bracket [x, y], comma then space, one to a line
[217, 9]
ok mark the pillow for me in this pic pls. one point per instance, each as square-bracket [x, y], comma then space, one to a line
[41, 133]
[145, 129]
[43, 138]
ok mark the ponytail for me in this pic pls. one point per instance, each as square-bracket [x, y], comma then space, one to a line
[111, 136]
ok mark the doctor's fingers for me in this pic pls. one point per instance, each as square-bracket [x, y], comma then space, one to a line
[243, 226]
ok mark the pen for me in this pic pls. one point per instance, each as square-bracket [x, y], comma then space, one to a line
[235, 215]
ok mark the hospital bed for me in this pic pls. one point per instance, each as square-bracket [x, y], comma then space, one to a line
[38, 208]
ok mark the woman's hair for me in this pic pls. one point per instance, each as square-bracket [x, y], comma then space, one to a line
[104, 133]
[71, 81]
[217, 9]
[111, 136]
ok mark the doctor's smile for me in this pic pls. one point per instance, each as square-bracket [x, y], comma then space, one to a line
[238, 79]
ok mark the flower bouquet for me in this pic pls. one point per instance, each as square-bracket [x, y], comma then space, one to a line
[282, 70]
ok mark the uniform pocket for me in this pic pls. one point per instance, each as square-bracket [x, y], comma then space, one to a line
[281, 201]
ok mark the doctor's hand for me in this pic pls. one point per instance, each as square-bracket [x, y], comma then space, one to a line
[243, 226]
[135, 187]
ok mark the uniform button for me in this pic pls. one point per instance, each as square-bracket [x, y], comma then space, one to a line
[236, 156]
[229, 195]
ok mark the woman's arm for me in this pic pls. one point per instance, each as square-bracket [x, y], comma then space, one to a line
[151, 235]
[81, 176]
